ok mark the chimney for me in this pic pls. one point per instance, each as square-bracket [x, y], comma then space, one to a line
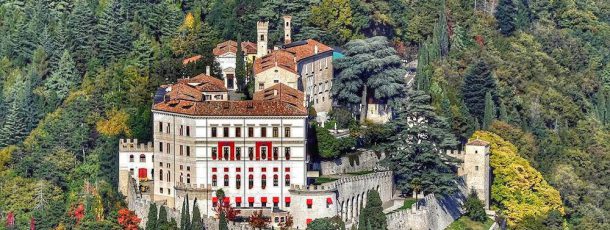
[207, 70]
[287, 29]
[262, 29]
[315, 49]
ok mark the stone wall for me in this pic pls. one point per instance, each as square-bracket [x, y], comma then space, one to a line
[360, 161]
[431, 213]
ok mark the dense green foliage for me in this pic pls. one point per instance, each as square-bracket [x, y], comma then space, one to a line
[474, 208]
[334, 223]
[416, 151]
[372, 217]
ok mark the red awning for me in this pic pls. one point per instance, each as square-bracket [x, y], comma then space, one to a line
[287, 199]
[276, 199]
[226, 200]
[329, 200]
[238, 199]
[309, 221]
[250, 199]
[264, 199]
[214, 199]
[309, 201]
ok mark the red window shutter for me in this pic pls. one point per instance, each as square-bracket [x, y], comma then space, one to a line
[287, 199]
[263, 169]
[309, 201]
[287, 170]
[226, 169]
[250, 199]
[142, 173]
[276, 199]
[275, 169]
[238, 170]
[238, 199]
[226, 200]
[214, 170]
[214, 199]
[329, 200]
[309, 221]
[264, 199]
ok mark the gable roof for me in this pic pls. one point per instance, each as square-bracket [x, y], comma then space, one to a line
[191, 59]
[307, 48]
[281, 92]
[205, 83]
[477, 142]
[277, 58]
[230, 46]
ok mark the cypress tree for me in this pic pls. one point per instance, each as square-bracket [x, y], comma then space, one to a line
[152, 217]
[418, 147]
[197, 223]
[506, 12]
[372, 214]
[183, 217]
[477, 82]
[162, 222]
[443, 32]
[240, 67]
[222, 222]
[490, 111]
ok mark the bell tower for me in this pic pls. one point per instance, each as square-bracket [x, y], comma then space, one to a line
[287, 29]
[262, 30]
[477, 170]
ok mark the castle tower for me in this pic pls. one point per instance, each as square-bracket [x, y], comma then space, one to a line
[262, 30]
[477, 170]
[287, 29]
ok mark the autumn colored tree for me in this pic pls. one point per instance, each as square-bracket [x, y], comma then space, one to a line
[128, 219]
[258, 221]
[287, 225]
[79, 213]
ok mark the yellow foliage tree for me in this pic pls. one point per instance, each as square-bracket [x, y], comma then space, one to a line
[117, 123]
[518, 189]
[189, 22]
[5, 155]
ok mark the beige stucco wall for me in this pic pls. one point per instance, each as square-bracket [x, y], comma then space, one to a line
[269, 76]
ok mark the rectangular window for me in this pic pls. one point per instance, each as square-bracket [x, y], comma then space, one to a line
[250, 131]
[225, 132]
[287, 132]
[160, 127]
[237, 131]
[161, 147]
[188, 151]
[238, 153]
[276, 132]
[181, 149]
[181, 133]
[287, 153]
[225, 152]
[213, 131]
[263, 132]
[168, 148]
[188, 131]
[161, 190]
[261, 86]
[250, 153]
[214, 153]
[167, 128]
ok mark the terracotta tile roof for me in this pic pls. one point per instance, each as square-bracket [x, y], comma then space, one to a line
[281, 92]
[477, 142]
[231, 46]
[205, 83]
[305, 49]
[231, 108]
[191, 59]
[183, 91]
[280, 58]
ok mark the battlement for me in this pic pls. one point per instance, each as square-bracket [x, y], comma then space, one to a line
[331, 186]
[262, 25]
[132, 145]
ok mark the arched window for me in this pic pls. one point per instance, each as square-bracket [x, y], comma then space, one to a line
[214, 180]
[142, 158]
[250, 181]
[238, 153]
[287, 180]
[188, 178]
[287, 153]
[214, 153]
[264, 152]
[225, 152]
[250, 153]
[181, 178]
[130, 158]
[238, 182]
[169, 178]
[276, 153]
[262, 38]
[226, 184]
[263, 181]
[275, 180]
[161, 174]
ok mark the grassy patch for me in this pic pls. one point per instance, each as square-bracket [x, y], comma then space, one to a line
[466, 223]
[408, 203]
[360, 173]
[322, 180]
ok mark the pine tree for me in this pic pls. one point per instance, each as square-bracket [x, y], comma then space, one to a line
[370, 68]
[143, 53]
[152, 217]
[15, 127]
[506, 12]
[114, 39]
[418, 148]
[240, 67]
[372, 214]
[64, 78]
[474, 207]
[490, 111]
[82, 32]
[197, 223]
[477, 82]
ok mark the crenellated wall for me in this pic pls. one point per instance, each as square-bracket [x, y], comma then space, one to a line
[362, 161]
[431, 213]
